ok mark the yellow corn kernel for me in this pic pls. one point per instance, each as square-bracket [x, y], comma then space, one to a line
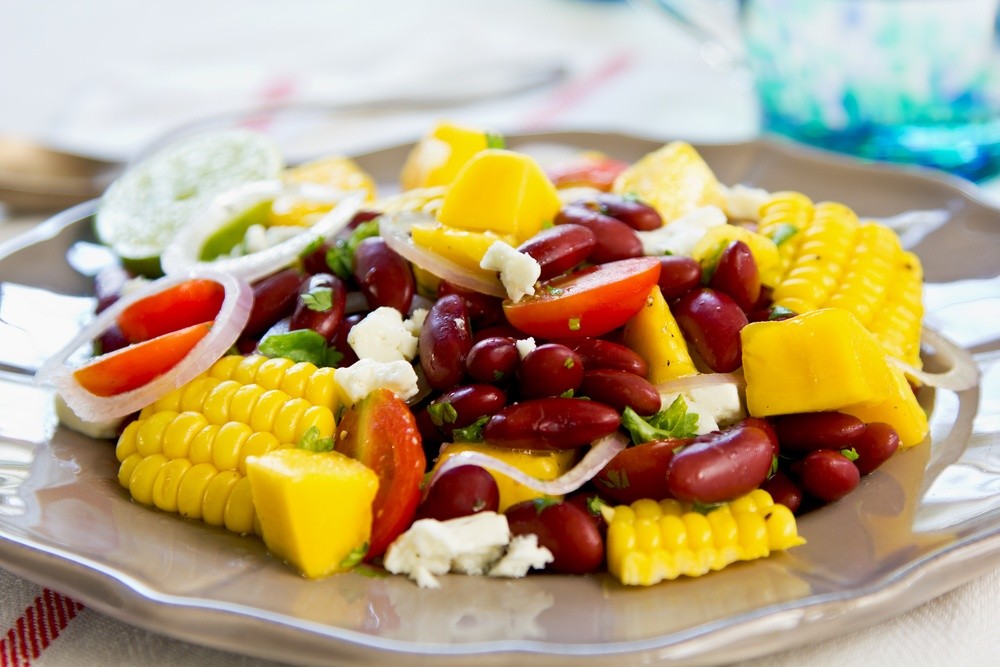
[245, 372]
[218, 403]
[226, 450]
[648, 543]
[167, 483]
[296, 378]
[180, 433]
[193, 394]
[321, 389]
[200, 450]
[127, 467]
[239, 514]
[257, 444]
[126, 441]
[271, 371]
[191, 491]
[897, 327]
[223, 368]
[864, 287]
[266, 409]
[244, 401]
[140, 483]
[213, 503]
[286, 422]
[782, 218]
[149, 436]
[318, 417]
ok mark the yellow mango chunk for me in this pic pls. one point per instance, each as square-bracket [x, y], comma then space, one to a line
[900, 410]
[335, 171]
[461, 246]
[673, 179]
[822, 360]
[654, 335]
[543, 465]
[438, 157]
[314, 508]
[764, 250]
[503, 192]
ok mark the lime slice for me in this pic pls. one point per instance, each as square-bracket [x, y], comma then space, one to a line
[152, 201]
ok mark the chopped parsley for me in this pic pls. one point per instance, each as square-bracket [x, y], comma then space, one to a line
[673, 422]
[312, 441]
[318, 299]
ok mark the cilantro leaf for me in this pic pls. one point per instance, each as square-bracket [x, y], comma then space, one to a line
[442, 413]
[298, 345]
[494, 140]
[782, 233]
[471, 433]
[311, 441]
[673, 422]
[355, 556]
[318, 299]
[340, 258]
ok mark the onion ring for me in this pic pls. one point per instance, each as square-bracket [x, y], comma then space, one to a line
[181, 256]
[689, 382]
[394, 229]
[601, 452]
[229, 323]
[963, 372]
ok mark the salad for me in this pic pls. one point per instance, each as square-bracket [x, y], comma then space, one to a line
[506, 367]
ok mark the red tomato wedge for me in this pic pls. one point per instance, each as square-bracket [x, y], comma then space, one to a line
[381, 432]
[185, 304]
[133, 366]
[589, 302]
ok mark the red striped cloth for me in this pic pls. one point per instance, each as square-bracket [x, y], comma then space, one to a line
[36, 628]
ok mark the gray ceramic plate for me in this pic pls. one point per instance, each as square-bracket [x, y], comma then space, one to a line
[925, 523]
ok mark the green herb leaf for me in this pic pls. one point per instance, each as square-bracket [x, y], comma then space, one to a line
[471, 433]
[355, 556]
[298, 345]
[778, 312]
[574, 324]
[442, 413]
[368, 571]
[313, 246]
[850, 454]
[774, 467]
[782, 233]
[311, 441]
[494, 140]
[318, 299]
[566, 394]
[340, 258]
[615, 479]
[704, 508]
[673, 422]
[541, 504]
[710, 262]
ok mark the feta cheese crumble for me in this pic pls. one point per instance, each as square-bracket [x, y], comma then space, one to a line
[744, 202]
[525, 346]
[476, 544]
[366, 375]
[680, 236]
[518, 271]
[383, 336]
[716, 405]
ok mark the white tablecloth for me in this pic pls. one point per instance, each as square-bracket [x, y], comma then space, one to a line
[106, 77]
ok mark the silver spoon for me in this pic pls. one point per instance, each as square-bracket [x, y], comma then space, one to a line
[35, 178]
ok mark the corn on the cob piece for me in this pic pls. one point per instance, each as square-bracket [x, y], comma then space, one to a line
[835, 260]
[186, 453]
[781, 219]
[650, 541]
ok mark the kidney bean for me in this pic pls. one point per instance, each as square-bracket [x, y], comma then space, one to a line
[636, 214]
[564, 529]
[274, 297]
[827, 474]
[550, 370]
[721, 465]
[639, 471]
[736, 274]
[550, 423]
[108, 285]
[784, 490]
[679, 275]
[484, 310]
[492, 360]
[444, 342]
[875, 446]
[430, 435]
[560, 248]
[461, 406]
[461, 491]
[590, 503]
[768, 428]
[600, 353]
[359, 218]
[712, 322]
[339, 341]
[621, 389]
[615, 239]
[384, 276]
[324, 321]
[110, 340]
[503, 330]
[806, 431]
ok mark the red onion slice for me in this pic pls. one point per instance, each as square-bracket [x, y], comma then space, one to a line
[963, 372]
[229, 322]
[181, 256]
[601, 452]
[395, 231]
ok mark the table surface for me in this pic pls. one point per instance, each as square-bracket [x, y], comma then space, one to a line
[107, 77]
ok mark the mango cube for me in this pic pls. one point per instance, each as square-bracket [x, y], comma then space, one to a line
[503, 192]
[314, 508]
[461, 246]
[654, 335]
[822, 360]
[543, 465]
[439, 156]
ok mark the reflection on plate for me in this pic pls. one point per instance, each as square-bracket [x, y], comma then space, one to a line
[924, 523]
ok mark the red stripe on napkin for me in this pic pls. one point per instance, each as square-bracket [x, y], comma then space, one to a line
[37, 628]
[570, 94]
